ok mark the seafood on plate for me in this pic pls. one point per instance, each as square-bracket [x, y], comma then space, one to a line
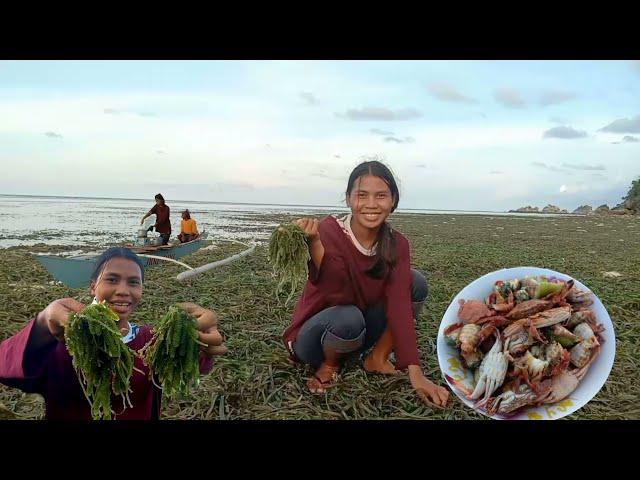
[529, 342]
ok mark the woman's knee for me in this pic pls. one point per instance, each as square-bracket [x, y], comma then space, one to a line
[419, 286]
[346, 329]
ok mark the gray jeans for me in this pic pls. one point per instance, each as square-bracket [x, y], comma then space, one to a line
[346, 329]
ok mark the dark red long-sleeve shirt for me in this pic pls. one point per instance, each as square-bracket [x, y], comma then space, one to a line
[49, 371]
[341, 280]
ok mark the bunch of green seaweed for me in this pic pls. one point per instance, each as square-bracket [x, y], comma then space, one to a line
[103, 362]
[173, 353]
[289, 255]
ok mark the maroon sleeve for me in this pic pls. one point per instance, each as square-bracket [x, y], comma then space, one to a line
[332, 276]
[332, 268]
[154, 210]
[206, 364]
[20, 367]
[314, 272]
[399, 311]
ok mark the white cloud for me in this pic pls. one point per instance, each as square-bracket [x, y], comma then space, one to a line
[454, 137]
[399, 140]
[448, 93]
[509, 97]
[553, 97]
[309, 97]
[377, 131]
[574, 188]
[583, 166]
[564, 132]
[623, 125]
[380, 113]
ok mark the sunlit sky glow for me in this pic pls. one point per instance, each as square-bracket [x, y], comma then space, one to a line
[473, 135]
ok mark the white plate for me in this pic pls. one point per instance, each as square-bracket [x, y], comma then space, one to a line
[590, 385]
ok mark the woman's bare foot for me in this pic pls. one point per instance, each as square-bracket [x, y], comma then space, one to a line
[375, 364]
[377, 361]
[325, 377]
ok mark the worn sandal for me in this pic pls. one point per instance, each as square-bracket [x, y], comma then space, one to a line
[317, 386]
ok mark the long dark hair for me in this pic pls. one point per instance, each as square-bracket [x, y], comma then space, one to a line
[160, 197]
[386, 243]
[186, 214]
[116, 252]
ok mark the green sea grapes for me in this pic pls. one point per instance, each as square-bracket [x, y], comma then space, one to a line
[173, 353]
[103, 362]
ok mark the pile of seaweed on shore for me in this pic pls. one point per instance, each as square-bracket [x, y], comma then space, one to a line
[256, 379]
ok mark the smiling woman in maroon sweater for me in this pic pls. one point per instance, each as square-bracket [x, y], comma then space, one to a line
[36, 359]
[361, 295]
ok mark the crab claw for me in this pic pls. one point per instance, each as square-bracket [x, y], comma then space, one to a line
[536, 334]
[453, 327]
[466, 391]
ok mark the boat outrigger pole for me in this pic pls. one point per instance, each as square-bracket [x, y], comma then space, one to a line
[192, 272]
[166, 259]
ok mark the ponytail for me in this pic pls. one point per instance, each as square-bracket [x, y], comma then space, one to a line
[385, 253]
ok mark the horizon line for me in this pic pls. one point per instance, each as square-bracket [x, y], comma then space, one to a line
[236, 203]
[262, 204]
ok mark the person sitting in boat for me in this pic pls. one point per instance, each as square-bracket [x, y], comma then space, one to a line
[163, 223]
[36, 360]
[188, 228]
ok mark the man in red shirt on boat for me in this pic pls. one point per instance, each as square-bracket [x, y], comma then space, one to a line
[163, 223]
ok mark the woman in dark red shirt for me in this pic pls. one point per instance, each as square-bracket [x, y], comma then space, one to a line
[36, 359]
[163, 222]
[361, 295]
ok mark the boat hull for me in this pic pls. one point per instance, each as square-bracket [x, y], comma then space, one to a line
[75, 272]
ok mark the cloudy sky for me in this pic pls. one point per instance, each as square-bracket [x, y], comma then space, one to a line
[474, 135]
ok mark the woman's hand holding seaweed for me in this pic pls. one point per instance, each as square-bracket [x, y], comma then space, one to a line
[207, 329]
[310, 228]
[56, 315]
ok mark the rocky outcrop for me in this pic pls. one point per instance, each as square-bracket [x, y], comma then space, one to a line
[553, 209]
[527, 209]
[583, 210]
[632, 205]
[629, 207]
[621, 210]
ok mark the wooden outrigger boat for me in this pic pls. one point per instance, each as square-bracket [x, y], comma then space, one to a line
[75, 271]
